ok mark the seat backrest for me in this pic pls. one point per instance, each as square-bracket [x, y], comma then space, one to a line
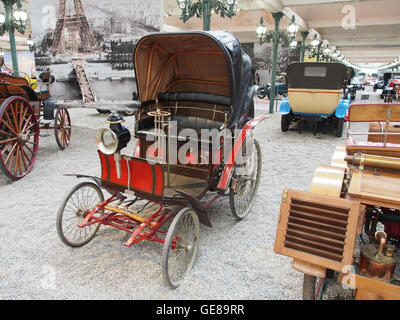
[195, 97]
[379, 112]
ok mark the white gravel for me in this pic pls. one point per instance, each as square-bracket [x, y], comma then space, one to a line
[235, 261]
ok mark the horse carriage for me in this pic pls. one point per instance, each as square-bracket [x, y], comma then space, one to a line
[344, 234]
[25, 111]
[189, 85]
[315, 94]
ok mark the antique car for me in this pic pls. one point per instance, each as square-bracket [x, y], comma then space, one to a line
[369, 81]
[190, 85]
[344, 233]
[379, 85]
[357, 82]
[350, 90]
[388, 90]
[281, 89]
[26, 108]
[314, 95]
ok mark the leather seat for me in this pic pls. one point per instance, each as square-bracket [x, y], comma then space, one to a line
[195, 123]
[211, 98]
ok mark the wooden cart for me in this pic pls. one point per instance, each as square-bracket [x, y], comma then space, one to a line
[23, 113]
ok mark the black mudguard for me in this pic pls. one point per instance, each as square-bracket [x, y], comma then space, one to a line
[197, 206]
[49, 107]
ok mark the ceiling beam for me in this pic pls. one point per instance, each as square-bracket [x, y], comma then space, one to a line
[299, 21]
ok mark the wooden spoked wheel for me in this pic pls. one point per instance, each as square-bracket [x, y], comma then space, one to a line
[19, 137]
[62, 128]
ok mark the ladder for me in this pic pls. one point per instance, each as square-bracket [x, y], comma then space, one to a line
[86, 90]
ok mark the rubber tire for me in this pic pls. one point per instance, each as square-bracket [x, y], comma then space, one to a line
[339, 128]
[61, 212]
[285, 122]
[103, 111]
[232, 193]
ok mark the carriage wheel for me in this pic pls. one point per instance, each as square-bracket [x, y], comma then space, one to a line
[62, 128]
[19, 137]
[244, 186]
[78, 202]
[180, 247]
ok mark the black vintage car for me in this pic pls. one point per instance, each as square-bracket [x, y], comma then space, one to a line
[349, 90]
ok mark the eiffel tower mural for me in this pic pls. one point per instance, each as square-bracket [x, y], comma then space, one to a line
[73, 33]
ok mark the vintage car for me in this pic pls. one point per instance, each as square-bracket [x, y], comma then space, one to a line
[369, 81]
[190, 85]
[281, 89]
[379, 85]
[390, 80]
[350, 90]
[391, 92]
[315, 94]
[344, 233]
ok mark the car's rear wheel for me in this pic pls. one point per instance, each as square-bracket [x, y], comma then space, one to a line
[339, 127]
[285, 122]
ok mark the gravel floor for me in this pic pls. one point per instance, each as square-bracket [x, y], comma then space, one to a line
[235, 261]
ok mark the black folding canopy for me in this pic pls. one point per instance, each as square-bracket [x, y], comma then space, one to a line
[204, 62]
[316, 75]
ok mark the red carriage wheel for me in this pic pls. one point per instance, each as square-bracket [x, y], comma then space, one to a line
[62, 128]
[19, 137]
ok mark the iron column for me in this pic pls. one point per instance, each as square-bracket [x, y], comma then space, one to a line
[304, 35]
[277, 17]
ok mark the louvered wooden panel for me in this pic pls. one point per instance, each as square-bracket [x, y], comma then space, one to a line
[317, 228]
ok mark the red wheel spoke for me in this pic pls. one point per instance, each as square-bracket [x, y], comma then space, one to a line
[14, 116]
[62, 128]
[61, 138]
[22, 117]
[23, 157]
[18, 124]
[17, 164]
[11, 152]
[30, 126]
[8, 140]
[24, 128]
[6, 133]
[30, 150]
[8, 126]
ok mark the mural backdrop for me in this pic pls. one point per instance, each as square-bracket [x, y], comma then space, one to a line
[261, 55]
[92, 41]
